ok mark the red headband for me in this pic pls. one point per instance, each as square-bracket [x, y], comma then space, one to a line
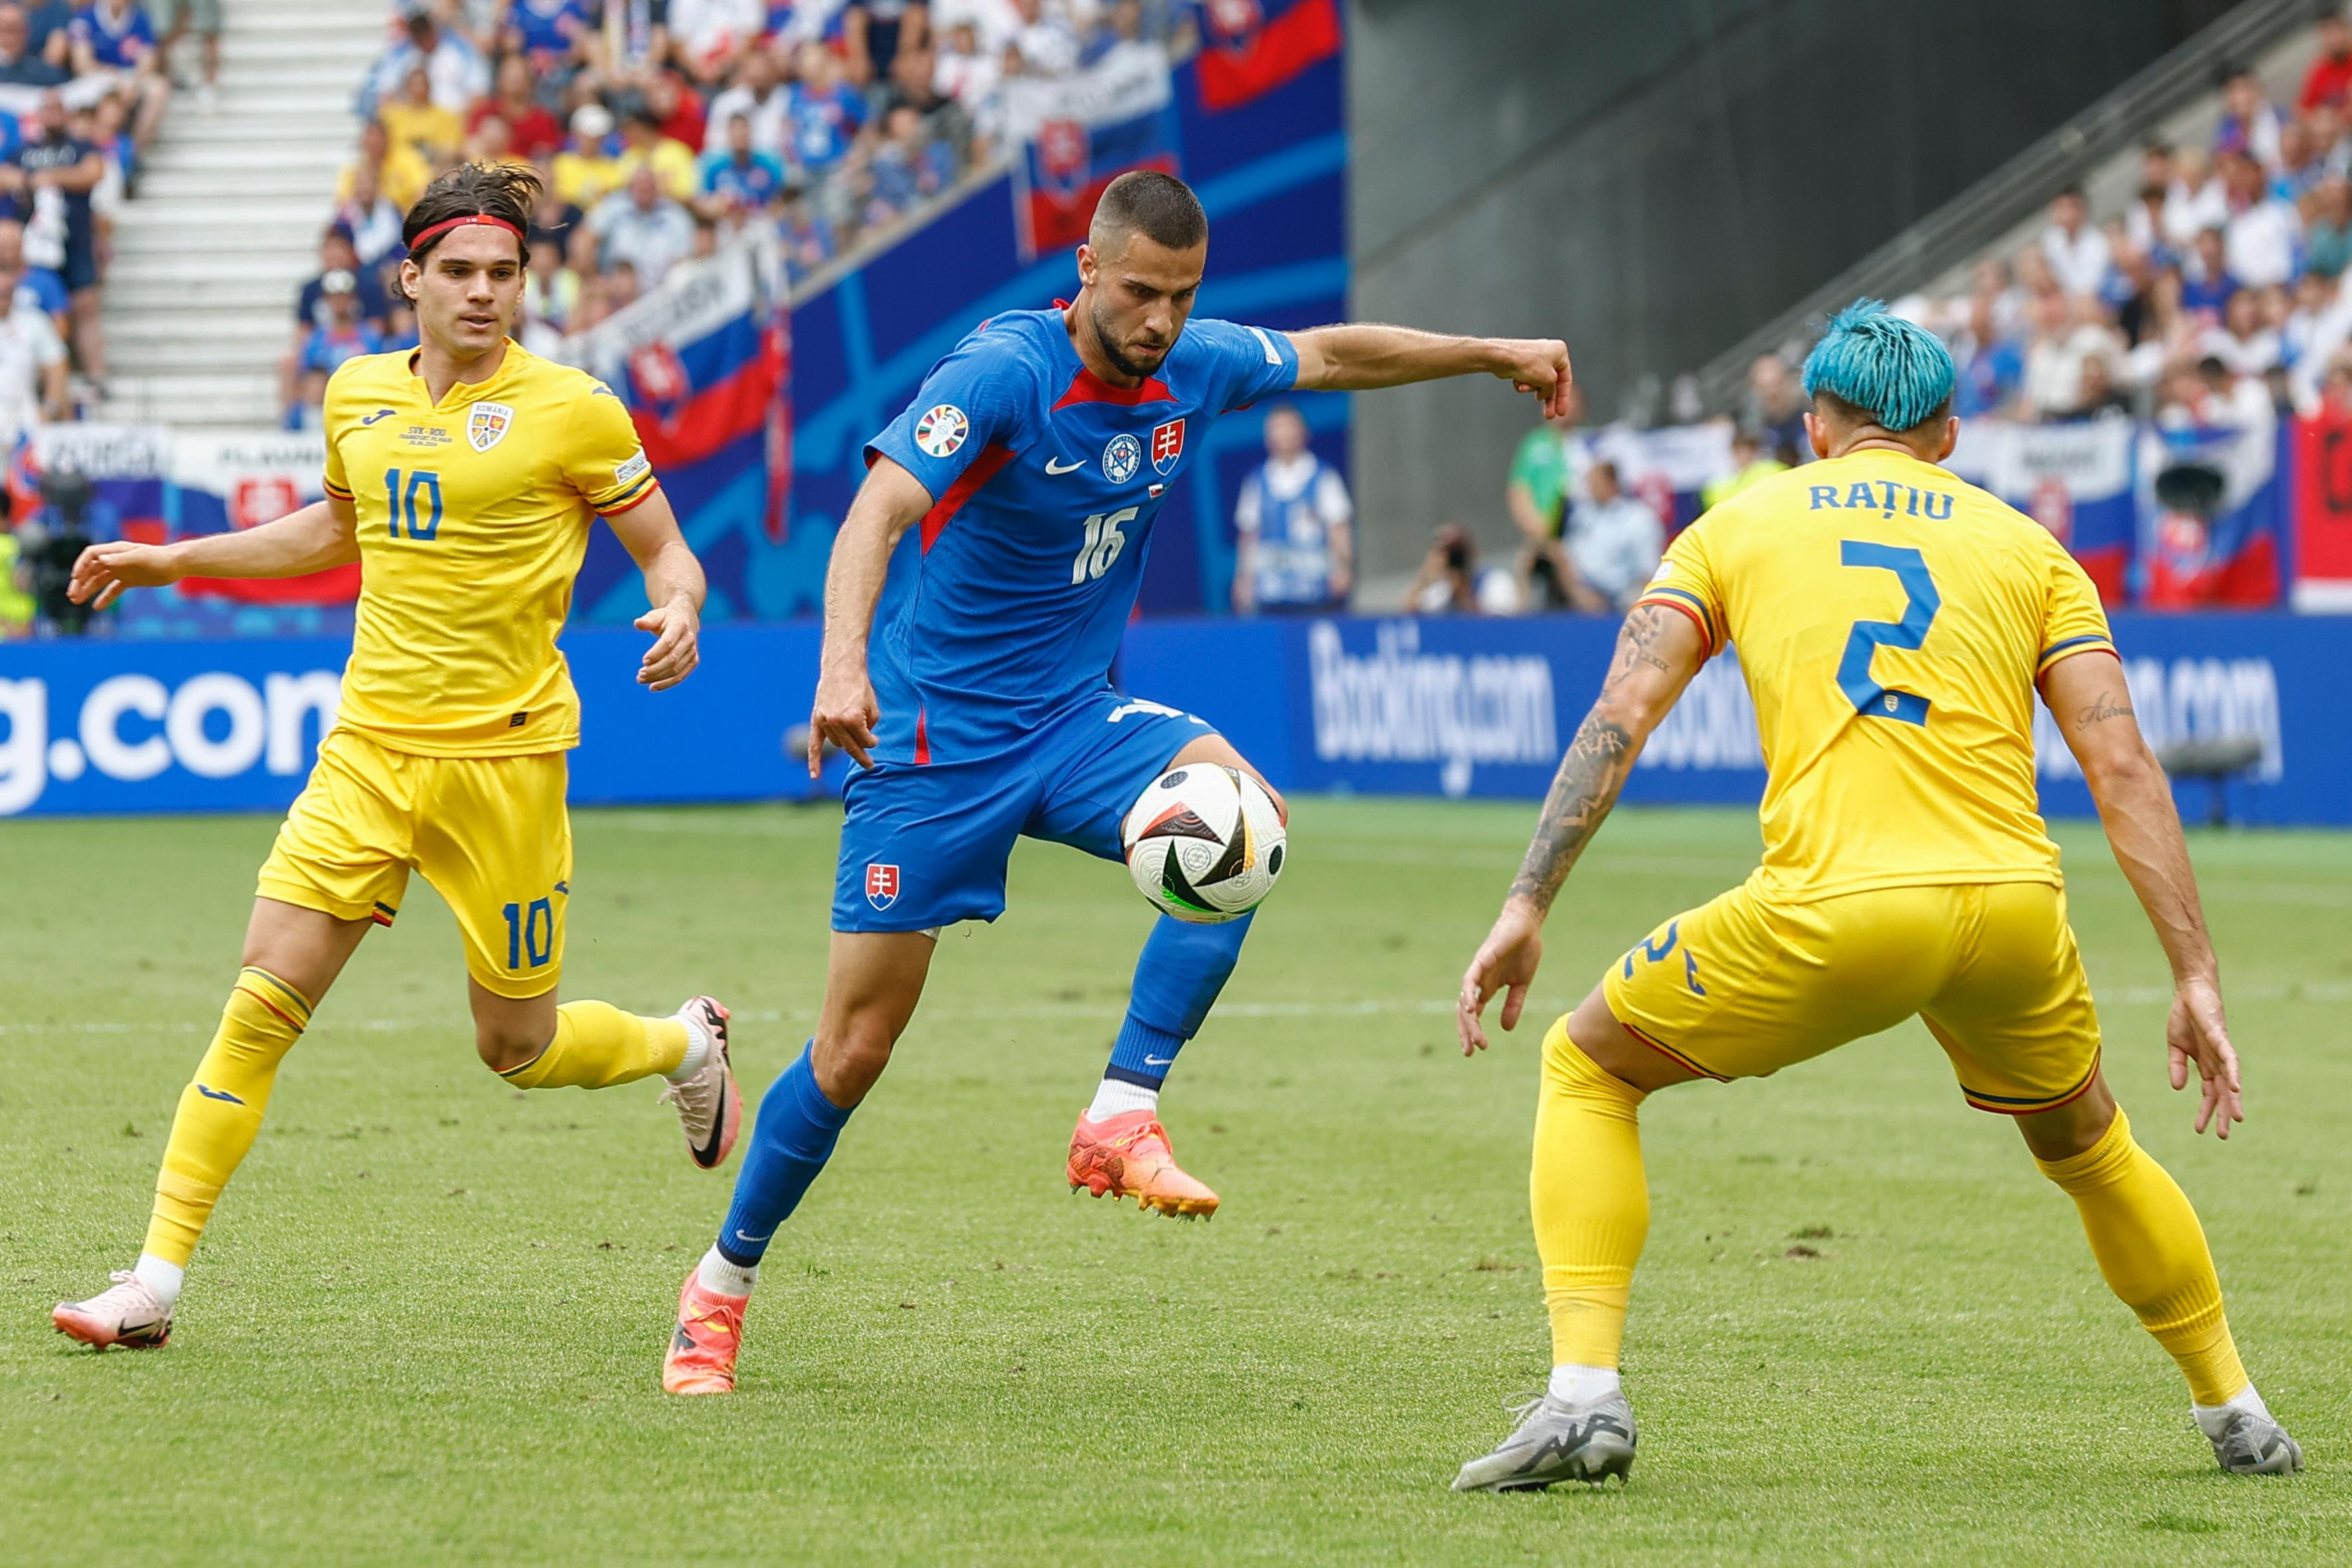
[469, 220]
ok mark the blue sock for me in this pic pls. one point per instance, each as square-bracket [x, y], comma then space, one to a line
[1177, 980]
[790, 1142]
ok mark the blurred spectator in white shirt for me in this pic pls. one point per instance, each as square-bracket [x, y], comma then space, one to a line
[709, 37]
[2065, 333]
[32, 363]
[373, 221]
[993, 22]
[2262, 235]
[2241, 342]
[640, 226]
[2198, 202]
[1614, 542]
[1293, 547]
[973, 75]
[2077, 252]
[759, 97]
[455, 69]
[1048, 45]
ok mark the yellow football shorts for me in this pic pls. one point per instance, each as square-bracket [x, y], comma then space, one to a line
[491, 834]
[1742, 986]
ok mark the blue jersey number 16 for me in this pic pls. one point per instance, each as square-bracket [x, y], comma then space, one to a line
[1870, 699]
[427, 486]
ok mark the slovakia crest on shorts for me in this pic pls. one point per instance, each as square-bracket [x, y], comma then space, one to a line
[881, 884]
[1166, 444]
[486, 425]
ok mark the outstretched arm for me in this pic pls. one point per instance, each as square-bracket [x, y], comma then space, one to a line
[1658, 651]
[2087, 696]
[673, 588]
[1361, 356]
[889, 502]
[321, 535]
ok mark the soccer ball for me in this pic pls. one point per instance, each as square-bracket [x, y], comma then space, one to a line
[1204, 844]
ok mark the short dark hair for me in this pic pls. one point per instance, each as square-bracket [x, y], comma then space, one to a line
[1161, 207]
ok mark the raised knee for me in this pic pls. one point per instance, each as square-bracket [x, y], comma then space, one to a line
[504, 1045]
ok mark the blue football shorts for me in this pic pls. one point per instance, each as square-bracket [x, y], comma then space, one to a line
[925, 845]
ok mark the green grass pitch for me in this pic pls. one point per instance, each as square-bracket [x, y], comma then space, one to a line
[426, 1323]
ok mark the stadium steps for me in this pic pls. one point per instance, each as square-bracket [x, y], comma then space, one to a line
[208, 257]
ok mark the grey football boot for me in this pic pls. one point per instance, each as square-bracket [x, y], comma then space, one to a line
[2254, 1444]
[1556, 1441]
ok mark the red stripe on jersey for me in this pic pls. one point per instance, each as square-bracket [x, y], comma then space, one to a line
[922, 740]
[634, 501]
[1695, 618]
[1087, 388]
[984, 469]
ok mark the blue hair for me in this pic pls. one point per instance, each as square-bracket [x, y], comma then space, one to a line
[1897, 372]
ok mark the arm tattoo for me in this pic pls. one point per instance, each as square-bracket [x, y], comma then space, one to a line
[1581, 793]
[2106, 706]
[1595, 767]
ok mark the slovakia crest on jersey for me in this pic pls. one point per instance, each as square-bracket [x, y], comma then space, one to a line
[486, 425]
[881, 884]
[1166, 444]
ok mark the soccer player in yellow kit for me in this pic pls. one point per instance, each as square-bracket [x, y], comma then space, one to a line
[463, 477]
[1893, 624]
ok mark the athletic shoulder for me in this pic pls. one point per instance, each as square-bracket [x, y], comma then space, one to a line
[1212, 337]
[1014, 343]
[564, 384]
[364, 375]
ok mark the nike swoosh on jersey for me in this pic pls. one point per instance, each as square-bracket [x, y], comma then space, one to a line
[1055, 466]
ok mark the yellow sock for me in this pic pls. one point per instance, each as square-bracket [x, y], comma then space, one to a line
[2152, 1251]
[597, 1046]
[220, 1110]
[1592, 1202]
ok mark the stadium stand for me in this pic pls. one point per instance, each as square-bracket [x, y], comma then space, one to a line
[207, 257]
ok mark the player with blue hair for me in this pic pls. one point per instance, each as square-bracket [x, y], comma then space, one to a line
[1896, 373]
[1894, 625]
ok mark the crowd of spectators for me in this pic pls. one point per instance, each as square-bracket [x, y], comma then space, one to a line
[2216, 298]
[663, 128]
[83, 91]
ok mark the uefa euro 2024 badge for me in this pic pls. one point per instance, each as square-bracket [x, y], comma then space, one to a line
[942, 430]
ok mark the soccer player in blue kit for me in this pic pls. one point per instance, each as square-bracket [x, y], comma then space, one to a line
[1028, 470]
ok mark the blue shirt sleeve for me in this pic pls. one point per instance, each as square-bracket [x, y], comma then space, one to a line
[973, 400]
[1252, 362]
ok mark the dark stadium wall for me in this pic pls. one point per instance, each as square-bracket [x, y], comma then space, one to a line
[1653, 182]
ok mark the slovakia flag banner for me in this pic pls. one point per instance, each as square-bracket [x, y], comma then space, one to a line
[2075, 479]
[1252, 48]
[700, 365]
[1079, 133]
[151, 484]
[2211, 514]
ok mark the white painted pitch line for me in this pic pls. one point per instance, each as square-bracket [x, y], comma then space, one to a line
[1502, 857]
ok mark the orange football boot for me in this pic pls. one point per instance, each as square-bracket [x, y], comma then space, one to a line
[701, 1357]
[1128, 1155]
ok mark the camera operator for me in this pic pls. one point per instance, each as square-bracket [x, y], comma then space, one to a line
[53, 539]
